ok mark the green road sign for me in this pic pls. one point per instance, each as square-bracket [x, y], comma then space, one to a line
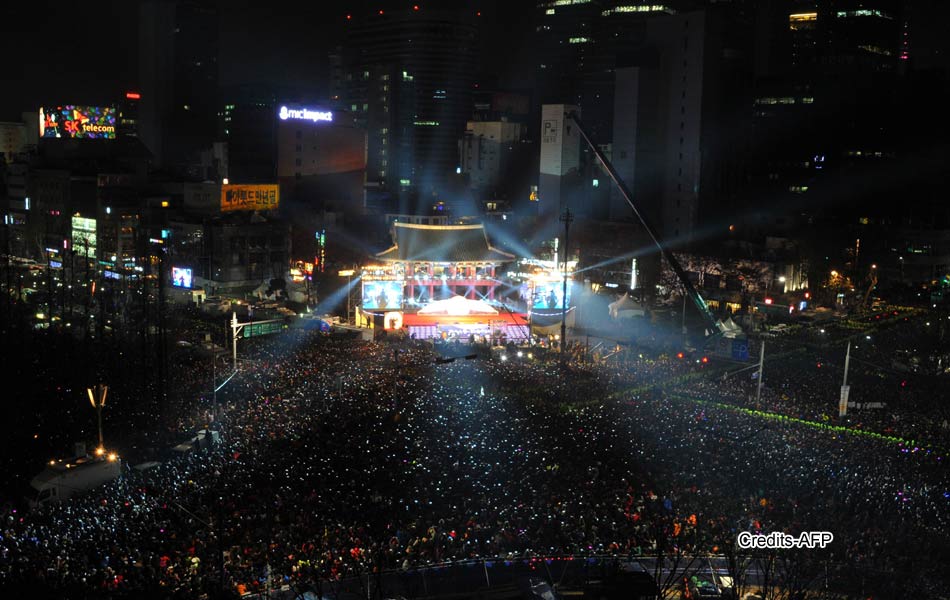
[255, 329]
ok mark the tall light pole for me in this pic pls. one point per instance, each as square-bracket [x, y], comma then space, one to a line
[98, 401]
[348, 273]
[235, 331]
[845, 390]
[758, 388]
[214, 376]
[684, 313]
[566, 218]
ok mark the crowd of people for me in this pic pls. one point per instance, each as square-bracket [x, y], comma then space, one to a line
[804, 382]
[342, 457]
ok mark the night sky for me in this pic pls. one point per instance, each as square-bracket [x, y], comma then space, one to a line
[57, 52]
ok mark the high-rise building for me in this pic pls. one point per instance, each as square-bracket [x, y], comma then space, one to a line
[580, 43]
[127, 119]
[321, 165]
[486, 149]
[12, 139]
[560, 159]
[156, 55]
[411, 73]
[178, 79]
[391, 95]
[665, 117]
[247, 121]
[827, 88]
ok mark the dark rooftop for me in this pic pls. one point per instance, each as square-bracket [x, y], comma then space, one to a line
[442, 243]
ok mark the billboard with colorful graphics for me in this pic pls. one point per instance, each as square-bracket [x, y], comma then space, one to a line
[79, 122]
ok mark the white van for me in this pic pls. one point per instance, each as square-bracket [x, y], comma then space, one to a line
[62, 479]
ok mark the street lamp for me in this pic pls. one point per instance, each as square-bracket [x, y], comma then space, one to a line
[98, 401]
[209, 337]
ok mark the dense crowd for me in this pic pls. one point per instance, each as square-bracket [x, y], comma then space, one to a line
[342, 458]
[804, 382]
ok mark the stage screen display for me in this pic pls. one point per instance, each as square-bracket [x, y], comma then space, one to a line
[548, 295]
[181, 277]
[382, 294]
[79, 122]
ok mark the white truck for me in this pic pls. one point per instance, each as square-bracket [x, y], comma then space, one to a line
[62, 479]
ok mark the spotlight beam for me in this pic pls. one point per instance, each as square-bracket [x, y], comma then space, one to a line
[664, 249]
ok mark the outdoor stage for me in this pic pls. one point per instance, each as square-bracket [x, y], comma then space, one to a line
[440, 282]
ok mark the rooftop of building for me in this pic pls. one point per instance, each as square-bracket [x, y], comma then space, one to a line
[442, 243]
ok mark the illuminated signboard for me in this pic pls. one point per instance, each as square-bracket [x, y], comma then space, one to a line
[321, 255]
[80, 122]
[84, 236]
[111, 275]
[304, 114]
[249, 197]
[181, 277]
[382, 294]
[548, 295]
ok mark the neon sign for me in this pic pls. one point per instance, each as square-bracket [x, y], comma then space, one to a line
[304, 114]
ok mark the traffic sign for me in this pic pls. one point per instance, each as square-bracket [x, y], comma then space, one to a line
[263, 328]
[740, 349]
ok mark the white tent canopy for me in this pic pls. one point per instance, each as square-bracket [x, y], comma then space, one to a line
[458, 306]
[625, 307]
[730, 325]
[730, 329]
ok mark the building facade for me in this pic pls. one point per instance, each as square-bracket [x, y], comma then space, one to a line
[485, 151]
[411, 74]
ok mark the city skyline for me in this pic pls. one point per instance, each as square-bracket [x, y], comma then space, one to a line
[463, 300]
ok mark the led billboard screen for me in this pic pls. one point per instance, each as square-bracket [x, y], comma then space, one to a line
[84, 237]
[80, 122]
[382, 294]
[548, 295]
[181, 277]
[249, 197]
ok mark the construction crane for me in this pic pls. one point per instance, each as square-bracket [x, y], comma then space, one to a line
[714, 326]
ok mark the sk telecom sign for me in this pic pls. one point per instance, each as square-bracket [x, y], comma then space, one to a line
[249, 197]
[81, 122]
